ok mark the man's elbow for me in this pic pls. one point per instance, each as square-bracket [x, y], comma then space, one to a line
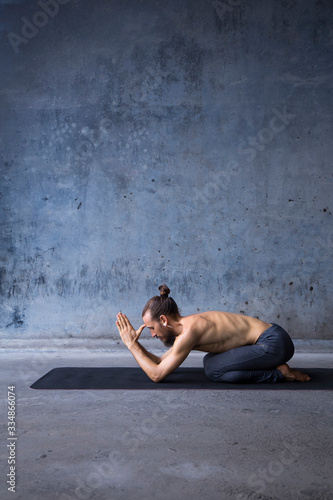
[156, 378]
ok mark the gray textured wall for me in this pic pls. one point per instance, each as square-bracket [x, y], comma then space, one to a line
[180, 141]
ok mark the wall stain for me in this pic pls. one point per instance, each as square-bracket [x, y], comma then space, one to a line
[17, 319]
[2, 280]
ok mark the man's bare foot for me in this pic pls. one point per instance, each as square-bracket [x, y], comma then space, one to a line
[293, 375]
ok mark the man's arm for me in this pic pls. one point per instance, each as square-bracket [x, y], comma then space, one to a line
[155, 370]
[150, 355]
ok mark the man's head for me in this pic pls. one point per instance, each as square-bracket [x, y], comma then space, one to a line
[158, 313]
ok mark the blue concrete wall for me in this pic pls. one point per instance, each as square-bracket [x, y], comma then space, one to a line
[183, 141]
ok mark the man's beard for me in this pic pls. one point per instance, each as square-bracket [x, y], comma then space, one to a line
[170, 340]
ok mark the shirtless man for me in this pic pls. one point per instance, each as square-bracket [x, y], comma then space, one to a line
[240, 349]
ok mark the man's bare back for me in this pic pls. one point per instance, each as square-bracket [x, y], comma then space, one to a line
[217, 331]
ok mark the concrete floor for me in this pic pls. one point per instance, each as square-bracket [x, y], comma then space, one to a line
[163, 445]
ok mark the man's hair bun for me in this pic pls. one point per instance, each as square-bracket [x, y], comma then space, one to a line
[164, 290]
[158, 305]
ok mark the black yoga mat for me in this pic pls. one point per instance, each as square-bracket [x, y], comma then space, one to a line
[182, 378]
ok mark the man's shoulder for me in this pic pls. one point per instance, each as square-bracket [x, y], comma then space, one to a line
[194, 325]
